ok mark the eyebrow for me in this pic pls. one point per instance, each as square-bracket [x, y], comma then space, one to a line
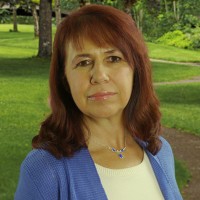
[87, 55]
[110, 51]
[80, 56]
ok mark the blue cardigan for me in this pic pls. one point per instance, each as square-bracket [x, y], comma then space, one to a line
[43, 177]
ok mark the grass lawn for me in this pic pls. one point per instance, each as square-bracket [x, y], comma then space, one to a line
[180, 106]
[159, 51]
[163, 72]
[23, 104]
[24, 93]
[182, 173]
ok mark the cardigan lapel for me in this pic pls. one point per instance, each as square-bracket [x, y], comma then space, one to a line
[159, 172]
[83, 177]
[161, 176]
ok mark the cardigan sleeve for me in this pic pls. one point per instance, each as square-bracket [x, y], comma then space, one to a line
[27, 189]
[166, 158]
[38, 179]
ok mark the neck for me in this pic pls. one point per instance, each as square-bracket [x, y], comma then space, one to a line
[106, 132]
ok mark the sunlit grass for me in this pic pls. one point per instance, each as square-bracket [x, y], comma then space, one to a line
[159, 51]
[172, 72]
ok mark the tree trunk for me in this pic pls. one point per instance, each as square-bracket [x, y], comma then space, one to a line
[45, 29]
[15, 28]
[176, 9]
[58, 12]
[35, 17]
[141, 19]
[166, 6]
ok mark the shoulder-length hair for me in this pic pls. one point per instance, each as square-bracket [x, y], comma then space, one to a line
[62, 131]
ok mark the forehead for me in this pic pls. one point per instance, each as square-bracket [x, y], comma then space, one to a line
[89, 46]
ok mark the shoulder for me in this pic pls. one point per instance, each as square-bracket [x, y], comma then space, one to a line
[165, 148]
[165, 145]
[165, 155]
[40, 176]
[40, 161]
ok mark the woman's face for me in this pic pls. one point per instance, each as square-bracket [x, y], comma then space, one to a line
[100, 79]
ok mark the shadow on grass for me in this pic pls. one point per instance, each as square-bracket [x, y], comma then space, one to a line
[24, 67]
[180, 94]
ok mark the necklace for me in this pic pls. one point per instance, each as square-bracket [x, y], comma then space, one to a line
[114, 150]
[118, 152]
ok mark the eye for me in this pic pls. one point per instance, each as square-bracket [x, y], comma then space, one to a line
[114, 59]
[84, 63]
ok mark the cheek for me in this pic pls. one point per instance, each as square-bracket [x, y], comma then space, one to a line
[127, 84]
[125, 76]
[78, 85]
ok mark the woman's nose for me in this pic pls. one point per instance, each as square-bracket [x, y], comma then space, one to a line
[99, 74]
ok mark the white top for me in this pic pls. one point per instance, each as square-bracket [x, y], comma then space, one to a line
[138, 182]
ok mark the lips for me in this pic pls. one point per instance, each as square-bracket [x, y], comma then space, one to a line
[101, 96]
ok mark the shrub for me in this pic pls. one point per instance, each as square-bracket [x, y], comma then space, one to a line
[195, 38]
[176, 38]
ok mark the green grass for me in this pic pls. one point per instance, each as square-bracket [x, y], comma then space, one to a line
[182, 174]
[172, 72]
[24, 93]
[23, 105]
[159, 51]
[18, 44]
[180, 106]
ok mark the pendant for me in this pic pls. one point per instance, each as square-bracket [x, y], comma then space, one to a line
[120, 156]
[119, 152]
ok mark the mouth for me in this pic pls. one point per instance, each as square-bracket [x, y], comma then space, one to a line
[101, 96]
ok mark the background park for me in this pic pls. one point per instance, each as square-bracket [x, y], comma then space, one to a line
[171, 29]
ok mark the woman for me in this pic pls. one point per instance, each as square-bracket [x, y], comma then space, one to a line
[101, 140]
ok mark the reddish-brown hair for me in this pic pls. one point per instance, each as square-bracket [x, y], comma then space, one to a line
[62, 132]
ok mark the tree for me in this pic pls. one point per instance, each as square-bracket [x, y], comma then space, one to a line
[138, 13]
[15, 27]
[45, 29]
[13, 5]
[176, 9]
[36, 21]
[31, 5]
[58, 11]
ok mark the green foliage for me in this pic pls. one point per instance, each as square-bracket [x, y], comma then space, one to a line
[195, 37]
[4, 15]
[175, 38]
[160, 18]
[35, 1]
[189, 21]
[69, 5]
[25, 20]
